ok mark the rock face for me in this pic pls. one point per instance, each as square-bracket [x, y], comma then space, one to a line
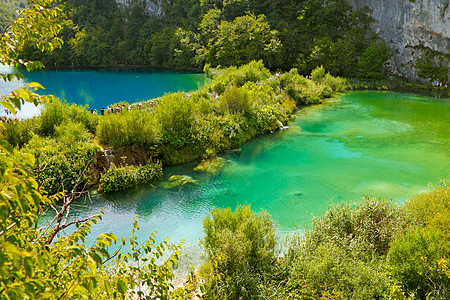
[121, 157]
[406, 25]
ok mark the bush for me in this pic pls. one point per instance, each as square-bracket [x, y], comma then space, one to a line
[240, 245]
[232, 76]
[57, 112]
[235, 100]
[432, 208]
[175, 114]
[331, 272]
[72, 132]
[418, 261]
[318, 74]
[19, 132]
[59, 166]
[365, 229]
[118, 179]
[132, 128]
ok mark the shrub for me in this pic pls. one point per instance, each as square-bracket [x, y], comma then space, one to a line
[240, 245]
[418, 261]
[19, 132]
[232, 76]
[123, 178]
[432, 208]
[59, 166]
[175, 114]
[132, 128]
[318, 74]
[71, 132]
[57, 112]
[367, 228]
[235, 100]
[329, 271]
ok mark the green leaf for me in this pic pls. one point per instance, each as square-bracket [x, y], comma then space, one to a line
[35, 85]
[121, 286]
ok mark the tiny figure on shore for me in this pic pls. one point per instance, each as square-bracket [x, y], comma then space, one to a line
[95, 112]
[140, 106]
[92, 111]
[117, 109]
[102, 112]
[151, 104]
[129, 107]
[109, 109]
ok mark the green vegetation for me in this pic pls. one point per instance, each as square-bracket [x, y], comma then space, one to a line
[118, 179]
[189, 35]
[237, 104]
[374, 250]
[240, 246]
[33, 263]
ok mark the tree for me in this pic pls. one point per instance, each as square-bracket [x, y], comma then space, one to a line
[245, 39]
[35, 263]
[373, 59]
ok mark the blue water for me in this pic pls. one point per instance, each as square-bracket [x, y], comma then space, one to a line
[99, 88]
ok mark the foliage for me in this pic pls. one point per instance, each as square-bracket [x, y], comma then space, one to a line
[72, 132]
[432, 208]
[18, 35]
[175, 114]
[32, 264]
[432, 65]
[240, 245]
[233, 101]
[129, 128]
[418, 258]
[57, 112]
[330, 271]
[244, 39]
[417, 261]
[372, 63]
[59, 166]
[123, 178]
[254, 71]
[18, 133]
[367, 229]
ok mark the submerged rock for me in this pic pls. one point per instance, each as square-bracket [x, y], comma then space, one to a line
[211, 166]
[178, 180]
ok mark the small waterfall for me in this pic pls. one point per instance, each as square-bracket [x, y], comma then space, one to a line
[281, 125]
[106, 154]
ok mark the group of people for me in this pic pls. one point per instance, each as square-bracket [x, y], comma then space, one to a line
[439, 83]
[117, 109]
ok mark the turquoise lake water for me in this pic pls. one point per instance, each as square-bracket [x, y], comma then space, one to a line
[381, 143]
[101, 87]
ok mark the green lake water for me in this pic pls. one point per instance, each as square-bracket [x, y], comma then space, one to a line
[381, 143]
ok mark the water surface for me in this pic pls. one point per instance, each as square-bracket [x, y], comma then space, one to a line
[381, 143]
[99, 88]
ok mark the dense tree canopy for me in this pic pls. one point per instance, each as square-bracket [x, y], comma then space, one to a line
[179, 34]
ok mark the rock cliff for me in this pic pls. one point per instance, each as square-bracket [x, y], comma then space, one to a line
[408, 26]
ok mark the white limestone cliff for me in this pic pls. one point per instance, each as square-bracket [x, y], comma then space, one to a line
[407, 24]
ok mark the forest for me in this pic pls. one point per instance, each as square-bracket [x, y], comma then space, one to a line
[374, 249]
[180, 35]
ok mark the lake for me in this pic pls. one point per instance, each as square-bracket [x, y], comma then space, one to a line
[376, 143]
[381, 143]
[99, 88]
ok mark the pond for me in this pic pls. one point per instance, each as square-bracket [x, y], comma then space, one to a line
[376, 143]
